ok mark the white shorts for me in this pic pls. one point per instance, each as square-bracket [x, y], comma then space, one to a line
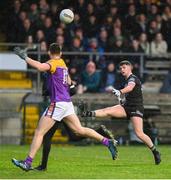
[59, 110]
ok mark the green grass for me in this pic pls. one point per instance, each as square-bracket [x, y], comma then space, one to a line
[75, 162]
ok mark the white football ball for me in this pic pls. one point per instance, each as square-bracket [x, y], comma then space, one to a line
[66, 16]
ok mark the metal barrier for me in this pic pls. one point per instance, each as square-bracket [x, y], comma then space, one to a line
[35, 50]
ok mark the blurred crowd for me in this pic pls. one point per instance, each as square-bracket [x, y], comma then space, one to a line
[133, 26]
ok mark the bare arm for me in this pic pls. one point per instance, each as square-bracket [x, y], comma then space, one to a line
[128, 88]
[36, 64]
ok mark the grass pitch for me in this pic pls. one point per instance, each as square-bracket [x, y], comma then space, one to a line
[90, 162]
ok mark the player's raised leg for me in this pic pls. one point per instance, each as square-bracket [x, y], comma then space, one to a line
[114, 111]
[73, 122]
[138, 127]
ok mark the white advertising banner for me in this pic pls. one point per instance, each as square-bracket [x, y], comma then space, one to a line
[11, 62]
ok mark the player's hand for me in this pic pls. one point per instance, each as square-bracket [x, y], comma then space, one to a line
[72, 89]
[21, 53]
[116, 92]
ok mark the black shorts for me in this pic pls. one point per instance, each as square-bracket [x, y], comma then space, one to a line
[132, 111]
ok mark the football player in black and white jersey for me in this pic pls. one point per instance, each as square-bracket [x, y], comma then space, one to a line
[131, 107]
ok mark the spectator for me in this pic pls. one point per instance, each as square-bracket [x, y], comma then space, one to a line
[159, 46]
[76, 23]
[81, 8]
[103, 38]
[44, 49]
[118, 47]
[14, 22]
[166, 13]
[23, 16]
[153, 12]
[40, 22]
[117, 34]
[29, 41]
[43, 6]
[130, 19]
[91, 27]
[144, 44]
[114, 12]
[74, 75]
[79, 33]
[33, 13]
[108, 21]
[77, 60]
[135, 48]
[166, 27]
[61, 41]
[118, 24]
[54, 13]
[26, 30]
[59, 31]
[159, 21]
[94, 47]
[49, 30]
[40, 36]
[90, 79]
[108, 80]
[152, 30]
[140, 26]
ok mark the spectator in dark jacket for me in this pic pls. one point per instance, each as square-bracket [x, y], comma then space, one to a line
[108, 77]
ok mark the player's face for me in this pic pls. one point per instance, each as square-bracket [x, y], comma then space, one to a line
[125, 70]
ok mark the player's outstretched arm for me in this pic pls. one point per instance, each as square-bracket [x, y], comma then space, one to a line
[36, 64]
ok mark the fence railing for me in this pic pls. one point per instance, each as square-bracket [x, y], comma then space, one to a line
[35, 50]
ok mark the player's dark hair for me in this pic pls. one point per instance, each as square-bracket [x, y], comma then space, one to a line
[125, 62]
[55, 48]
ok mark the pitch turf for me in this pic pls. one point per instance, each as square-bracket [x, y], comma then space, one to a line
[75, 162]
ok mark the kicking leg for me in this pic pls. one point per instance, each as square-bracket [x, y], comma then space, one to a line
[138, 127]
[73, 122]
[115, 111]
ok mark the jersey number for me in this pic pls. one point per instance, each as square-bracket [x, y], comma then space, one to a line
[65, 76]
